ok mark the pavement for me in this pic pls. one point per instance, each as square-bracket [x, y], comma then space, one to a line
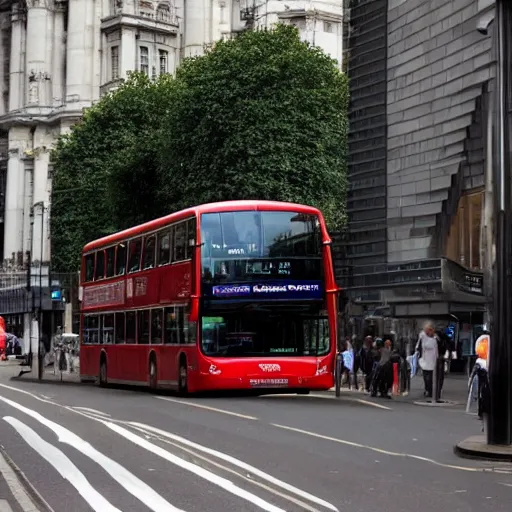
[86, 448]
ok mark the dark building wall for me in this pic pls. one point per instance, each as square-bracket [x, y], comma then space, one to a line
[438, 68]
[365, 63]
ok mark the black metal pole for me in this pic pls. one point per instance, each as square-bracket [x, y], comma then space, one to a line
[499, 427]
[40, 331]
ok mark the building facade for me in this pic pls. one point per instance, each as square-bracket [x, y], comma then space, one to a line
[59, 57]
[421, 76]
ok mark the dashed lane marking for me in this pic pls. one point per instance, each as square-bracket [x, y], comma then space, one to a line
[208, 408]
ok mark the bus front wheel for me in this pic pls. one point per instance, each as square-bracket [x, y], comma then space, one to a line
[183, 378]
[103, 372]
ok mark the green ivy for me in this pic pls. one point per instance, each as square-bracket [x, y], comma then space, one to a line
[262, 116]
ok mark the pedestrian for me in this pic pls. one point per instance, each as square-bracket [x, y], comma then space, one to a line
[431, 349]
[365, 362]
[383, 379]
[3, 340]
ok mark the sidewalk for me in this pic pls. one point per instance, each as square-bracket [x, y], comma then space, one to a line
[12, 369]
[455, 389]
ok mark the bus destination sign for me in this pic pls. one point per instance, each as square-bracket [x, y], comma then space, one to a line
[269, 290]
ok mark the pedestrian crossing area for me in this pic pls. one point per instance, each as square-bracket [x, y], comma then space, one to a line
[100, 463]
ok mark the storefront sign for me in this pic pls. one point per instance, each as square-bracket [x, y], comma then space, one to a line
[473, 283]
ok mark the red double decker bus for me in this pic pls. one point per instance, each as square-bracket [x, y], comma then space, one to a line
[233, 295]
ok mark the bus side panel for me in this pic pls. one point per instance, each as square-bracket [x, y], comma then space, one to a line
[176, 282]
[90, 361]
[165, 367]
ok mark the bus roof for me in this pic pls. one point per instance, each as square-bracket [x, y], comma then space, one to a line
[226, 206]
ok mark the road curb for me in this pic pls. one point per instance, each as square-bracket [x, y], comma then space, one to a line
[476, 448]
[38, 503]
[442, 403]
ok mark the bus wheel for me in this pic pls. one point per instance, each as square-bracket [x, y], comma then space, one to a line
[152, 373]
[103, 372]
[183, 380]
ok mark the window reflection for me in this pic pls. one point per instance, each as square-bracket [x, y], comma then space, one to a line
[256, 334]
[464, 239]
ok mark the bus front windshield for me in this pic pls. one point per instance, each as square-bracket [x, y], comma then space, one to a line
[264, 334]
[245, 245]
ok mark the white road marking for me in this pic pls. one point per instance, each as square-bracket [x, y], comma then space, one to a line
[193, 468]
[94, 411]
[380, 450]
[4, 506]
[329, 397]
[16, 488]
[227, 469]
[63, 465]
[128, 480]
[236, 462]
[208, 408]
[341, 441]
[372, 404]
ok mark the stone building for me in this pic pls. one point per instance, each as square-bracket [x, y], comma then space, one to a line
[58, 57]
[421, 75]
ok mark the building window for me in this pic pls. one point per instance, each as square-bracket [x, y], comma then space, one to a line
[328, 27]
[464, 239]
[144, 59]
[114, 62]
[163, 57]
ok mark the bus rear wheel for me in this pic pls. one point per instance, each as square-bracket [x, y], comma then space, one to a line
[103, 372]
[183, 378]
[152, 374]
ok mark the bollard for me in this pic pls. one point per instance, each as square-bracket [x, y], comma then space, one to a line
[434, 383]
[396, 380]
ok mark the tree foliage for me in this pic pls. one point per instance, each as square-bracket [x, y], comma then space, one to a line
[96, 166]
[263, 116]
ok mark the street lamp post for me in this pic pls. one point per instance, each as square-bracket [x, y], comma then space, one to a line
[37, 316]
[499, 427]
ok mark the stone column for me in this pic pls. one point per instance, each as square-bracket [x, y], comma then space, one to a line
[195, 27]
[80, 45]
[17, 60]
[19, 141]
[43, 139]
[37, 52]
[128, 50]
[58, 54]
[5, 22]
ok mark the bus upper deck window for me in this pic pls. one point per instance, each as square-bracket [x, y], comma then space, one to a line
[99, 273]
[135, 254]
[121, 259]
[89, 267]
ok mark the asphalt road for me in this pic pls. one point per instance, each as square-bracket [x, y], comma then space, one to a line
[84, 448]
